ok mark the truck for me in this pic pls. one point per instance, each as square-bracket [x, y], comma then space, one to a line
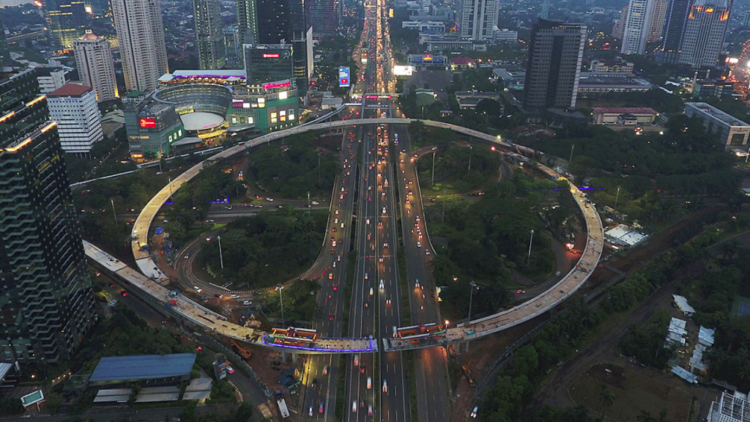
[283, 410]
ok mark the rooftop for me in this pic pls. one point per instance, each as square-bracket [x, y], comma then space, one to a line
[716, 113]
[69, 90]
[462, 60]
[143, 367]
[683, 304]
[623, 110]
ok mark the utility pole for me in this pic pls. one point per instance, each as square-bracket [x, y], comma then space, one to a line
[471, 147]
[112, 201]
[572, 147]
[221, 257]
[530, 241]
[280, 288]
[308, 202]
[617, 198]
[318, 168]
[443, 205]
[433, 168]
[473, 286]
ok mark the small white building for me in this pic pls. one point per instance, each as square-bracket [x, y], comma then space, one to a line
[676, 332]
[50, 78]
[623, 235]
[731, 407]
[79, 121]
[684, 306]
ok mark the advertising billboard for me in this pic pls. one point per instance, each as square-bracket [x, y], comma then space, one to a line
[399, 70]
[147, 122]
[344, 77]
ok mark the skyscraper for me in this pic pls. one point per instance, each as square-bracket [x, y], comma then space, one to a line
[79, 121]
[478, 19]
[265, 63]
[95, 66]
[554, 66]
[659, 12]
[703, 37]
[277, 21]
[140, 33]
[66, 21]
[322, 16]
[233, 47]
[677, 11]
[618, 30]
[637, 26]
[208, 33]
[46, 302]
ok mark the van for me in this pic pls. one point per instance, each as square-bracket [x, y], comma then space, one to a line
[197, 289]
[247, 302]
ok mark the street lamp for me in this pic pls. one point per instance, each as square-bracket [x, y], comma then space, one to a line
[281, 300]
[530, 240]
[471, 297]
[471, 147]
[170, 189]
[617, 198]
[221, 257]
[112, 201]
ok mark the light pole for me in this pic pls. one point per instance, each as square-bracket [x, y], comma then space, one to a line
[221, 257]
[473, 286]
[433, 168]
[318, 168]
[308, 202]
[617, 198]
[443, 205]
[170, 189]
[112, 201]
[572, 147]
[471, 147]
[530, 241]
[281, 300]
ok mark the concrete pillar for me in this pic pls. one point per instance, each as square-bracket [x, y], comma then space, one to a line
[283, 356]
[467, 346]
[295, 356]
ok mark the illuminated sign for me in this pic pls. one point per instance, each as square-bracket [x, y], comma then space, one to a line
[237, 102]
[372, 97]
[270, 55]
[403, 70]
[272, 85]
[344, 75]
[147, 123]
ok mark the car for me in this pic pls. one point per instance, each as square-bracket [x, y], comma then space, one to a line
[369, 410]
[419, 244]
[474, 412]
[385, 386]
[369, 235]
[365, 276]
[341, 196]
[318, 203]
[383, 210]
[197, 289]
[218, 296]
[269, 199]
[361, 403]
[325, 370]
[247, 302]
[356, 360]
[385, 245]
[368, 221]
[334, 229]
[310, 413]
[382, 284]
[335, 212]
[333, 243]
[371, 291]
[387, 301]
[369, 383]
[111, 284]
[354, 406]
[342, 225]
[416, 283]
[339, 258]
[334, 264]
[330, 275]
[124, 293]
[320, 407]
[234, 296]
[315, 383]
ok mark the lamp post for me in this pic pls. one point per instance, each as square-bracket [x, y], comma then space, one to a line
[572, 147]
[281, 300]
[530, 241]
[433, 167]
[170, 189]
[308, 202]
[471, 147]
[617, 197]
[471, 297]
[221, 257]
[112, 201]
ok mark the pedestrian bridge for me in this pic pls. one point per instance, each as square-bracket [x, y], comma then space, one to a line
[149, 280]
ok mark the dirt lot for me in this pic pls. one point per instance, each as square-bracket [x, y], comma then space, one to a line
[633, 393]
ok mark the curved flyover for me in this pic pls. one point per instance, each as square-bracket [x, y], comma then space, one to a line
[474, 329]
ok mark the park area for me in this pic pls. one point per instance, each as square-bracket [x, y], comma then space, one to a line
[632, 396]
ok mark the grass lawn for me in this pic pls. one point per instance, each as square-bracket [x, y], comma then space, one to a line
[633, 393]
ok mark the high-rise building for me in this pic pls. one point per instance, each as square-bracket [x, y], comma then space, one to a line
[141, 37]
[66, 21]
[554, 66]
[322, 16]
[233, 47]
[267, 63]
[677, 11]
[79, 121]
[618, 30]
[95, 66]
[5, 58]
[50, 78]
[46, 302]
[247, 21]
[659, 12]
[637, 27]
[705, 28]
[208, 33]
[478, 19]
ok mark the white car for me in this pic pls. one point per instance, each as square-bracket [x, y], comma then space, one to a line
[385, 386]
[371, 291]
[382, 284]
[369, 383]
[197, 289]
[354, 406]
[419, 244]
[474, 412]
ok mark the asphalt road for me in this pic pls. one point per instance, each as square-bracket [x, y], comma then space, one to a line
[431, 373]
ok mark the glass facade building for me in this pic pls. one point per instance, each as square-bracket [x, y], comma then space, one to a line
[268, 63]
[46, 301]
[66, 21]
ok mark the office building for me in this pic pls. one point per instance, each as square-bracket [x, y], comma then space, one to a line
[95, 66]
[725, 129]
[703, 37]
[66, 21]
[611, 66]
[268, 63]
[322, 16]
[79, 122]
[141, 37]
[618, 30]
[50, 78]
[247, 21]
[637, 26]
[659, 12]
[554, 65]
[233, 47]
[731, 407]
[677, 11]
[478, 19]
[4, 49]
[46, 302]
[209, 36]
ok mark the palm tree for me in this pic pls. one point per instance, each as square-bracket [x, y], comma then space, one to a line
[607, 398]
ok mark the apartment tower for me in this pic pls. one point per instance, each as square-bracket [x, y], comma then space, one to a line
[637, 26]
[478, 19]
[208, 33]
[140, 33]
[669, 52]
[703, 36]
[95, 66]
[46, 302]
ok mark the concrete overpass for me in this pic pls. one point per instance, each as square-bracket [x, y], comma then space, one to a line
[192, 311]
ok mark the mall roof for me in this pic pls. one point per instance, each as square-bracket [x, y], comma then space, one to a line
[143, 367]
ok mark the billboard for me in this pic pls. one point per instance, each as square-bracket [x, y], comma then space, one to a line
[147, 122]
[399, 70]
[344, 77]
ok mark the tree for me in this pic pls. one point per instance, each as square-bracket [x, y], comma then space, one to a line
[607, 398]
[244, 413]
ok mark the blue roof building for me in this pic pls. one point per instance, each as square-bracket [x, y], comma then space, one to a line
[153, 369]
